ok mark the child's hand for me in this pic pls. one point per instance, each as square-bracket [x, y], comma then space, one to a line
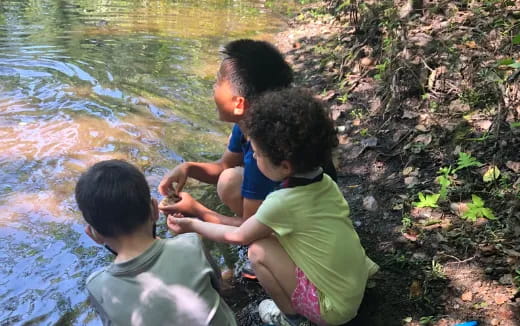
[178, 224]
[187, 206]
[178, 175]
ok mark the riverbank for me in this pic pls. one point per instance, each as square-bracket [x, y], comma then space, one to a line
[427, 103]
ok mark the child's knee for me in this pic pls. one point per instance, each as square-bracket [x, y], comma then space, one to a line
[229, 183]
[256, 253]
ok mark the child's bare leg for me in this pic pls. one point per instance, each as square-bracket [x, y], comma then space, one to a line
[229, 188]
[275, 270]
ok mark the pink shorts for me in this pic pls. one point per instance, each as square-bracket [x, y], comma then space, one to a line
[305, 299]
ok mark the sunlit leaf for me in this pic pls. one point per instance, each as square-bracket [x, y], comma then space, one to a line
[491, 174]
[505, 62]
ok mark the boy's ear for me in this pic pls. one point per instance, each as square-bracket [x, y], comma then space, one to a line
[98, 238]
[155, 210]
[240, 104]
[287, 167]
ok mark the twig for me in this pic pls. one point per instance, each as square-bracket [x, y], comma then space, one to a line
[458, 261]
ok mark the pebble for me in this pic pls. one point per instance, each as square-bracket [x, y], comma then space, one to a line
[370, 204]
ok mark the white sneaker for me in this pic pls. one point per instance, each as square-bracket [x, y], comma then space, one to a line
[271, 314]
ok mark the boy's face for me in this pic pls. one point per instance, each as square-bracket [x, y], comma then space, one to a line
[270, 170]
[230, 107]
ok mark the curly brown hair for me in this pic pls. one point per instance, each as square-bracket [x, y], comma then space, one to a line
[291, 125]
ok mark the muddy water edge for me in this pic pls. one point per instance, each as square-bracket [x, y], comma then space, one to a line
[84, 81]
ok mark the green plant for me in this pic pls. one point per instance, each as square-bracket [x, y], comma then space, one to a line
[444, 180]
[406, 222]
[477, 209]
[437, 271]
[343, 98]
[381, 68]
[427, 200]
[516, 278]
[465, 161]
[426, 320]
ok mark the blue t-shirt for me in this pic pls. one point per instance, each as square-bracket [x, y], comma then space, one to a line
[255, 185]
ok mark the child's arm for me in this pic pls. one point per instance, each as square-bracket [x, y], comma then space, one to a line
[205, 172]
[250, 231]
[188, 206]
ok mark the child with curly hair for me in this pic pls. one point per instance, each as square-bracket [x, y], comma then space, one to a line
[302, 244]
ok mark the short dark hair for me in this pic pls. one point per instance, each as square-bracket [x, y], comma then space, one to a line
[291, 125]
[114, 197]
[253, 67]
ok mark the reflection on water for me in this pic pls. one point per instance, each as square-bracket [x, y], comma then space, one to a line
[82, 81]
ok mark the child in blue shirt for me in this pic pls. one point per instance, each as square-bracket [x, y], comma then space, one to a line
[248, 69]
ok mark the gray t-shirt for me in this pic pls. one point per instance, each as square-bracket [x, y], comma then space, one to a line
[168, 284]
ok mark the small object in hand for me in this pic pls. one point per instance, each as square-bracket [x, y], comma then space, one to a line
[171, 199]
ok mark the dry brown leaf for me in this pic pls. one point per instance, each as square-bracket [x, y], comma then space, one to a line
[471, 44]
[501, 298]
[467, 296]
[514, 166]
[415, 289]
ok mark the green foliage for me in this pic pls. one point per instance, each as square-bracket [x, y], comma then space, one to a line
[465, 161]
[427, 200]
[444, 180]
[516, 39]
[437, 271]
[382, 68]
[406, 222]
[426, 320]
[516, 279]
[477, 209]
[343, 98]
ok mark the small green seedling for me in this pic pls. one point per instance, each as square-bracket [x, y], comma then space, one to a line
[426, 320]
[427, 200]
[406, 222]
[477, 209]
[444, 180]
[465, 161]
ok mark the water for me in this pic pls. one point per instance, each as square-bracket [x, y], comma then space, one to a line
[83, 81]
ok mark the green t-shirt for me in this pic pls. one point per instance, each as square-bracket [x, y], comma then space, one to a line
[168, 284]
[312, 224]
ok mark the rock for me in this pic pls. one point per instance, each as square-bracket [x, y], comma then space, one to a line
[370, 204]
[506, 279]
[369, 142]
[495, 322]
[419, 256]
[411, 181]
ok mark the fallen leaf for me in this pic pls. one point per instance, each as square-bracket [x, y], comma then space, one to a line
[415, 289]
[410, 237]
[501, 298]
[421, 128]
[491, 174]
[471, 44]
[408, 170]
[467, 296]
[514, 166]
[425, 139]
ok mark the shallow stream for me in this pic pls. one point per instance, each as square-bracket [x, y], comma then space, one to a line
[83, 81]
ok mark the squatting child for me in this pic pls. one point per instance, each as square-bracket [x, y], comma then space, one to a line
[248, 69]
[303, 246]
[151, 281]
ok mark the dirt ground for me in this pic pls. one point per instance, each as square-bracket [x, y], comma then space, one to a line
[436, 267]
